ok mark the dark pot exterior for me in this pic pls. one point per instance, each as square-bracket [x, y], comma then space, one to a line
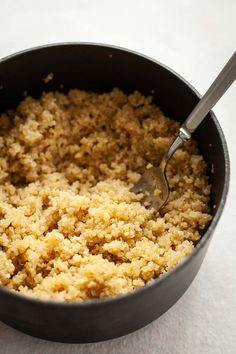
[100, 68]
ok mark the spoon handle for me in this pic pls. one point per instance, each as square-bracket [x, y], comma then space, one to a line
[221, 84]
[223, 81]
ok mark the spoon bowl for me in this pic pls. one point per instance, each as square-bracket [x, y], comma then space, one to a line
[154, 186]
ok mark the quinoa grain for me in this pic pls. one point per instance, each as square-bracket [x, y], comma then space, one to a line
[70, 228]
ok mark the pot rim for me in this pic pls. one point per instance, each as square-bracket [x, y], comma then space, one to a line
[205, 237]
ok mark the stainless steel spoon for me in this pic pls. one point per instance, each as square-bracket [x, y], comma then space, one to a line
[153, 183]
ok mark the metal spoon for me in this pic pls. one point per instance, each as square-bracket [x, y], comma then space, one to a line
[153, 183]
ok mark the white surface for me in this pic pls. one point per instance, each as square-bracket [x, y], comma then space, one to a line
[195, 38]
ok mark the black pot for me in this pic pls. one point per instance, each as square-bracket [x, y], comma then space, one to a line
[100, 68]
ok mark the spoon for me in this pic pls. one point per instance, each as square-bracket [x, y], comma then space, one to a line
[153, 183]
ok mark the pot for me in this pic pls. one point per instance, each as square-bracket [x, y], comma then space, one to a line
[100, 68]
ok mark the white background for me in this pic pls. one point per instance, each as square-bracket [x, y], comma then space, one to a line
[195, 38]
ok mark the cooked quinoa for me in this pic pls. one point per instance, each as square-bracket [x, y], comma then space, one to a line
[70, 228]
